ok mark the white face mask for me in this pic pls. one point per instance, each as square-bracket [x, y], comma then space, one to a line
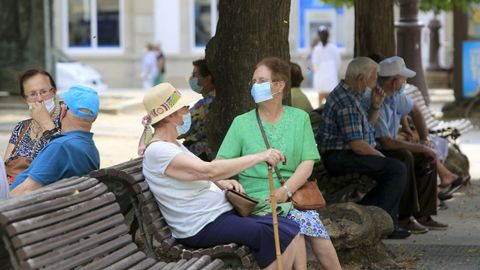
[49, 104]
[185, 127]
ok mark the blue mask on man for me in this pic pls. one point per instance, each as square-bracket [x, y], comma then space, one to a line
[261, 92]
[193, 81]
[185, 127]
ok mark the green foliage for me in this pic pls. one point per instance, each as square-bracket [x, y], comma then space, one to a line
[339, 3]
[425, 5]
[446, 5]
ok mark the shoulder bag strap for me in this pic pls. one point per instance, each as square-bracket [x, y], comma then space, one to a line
[262, 130]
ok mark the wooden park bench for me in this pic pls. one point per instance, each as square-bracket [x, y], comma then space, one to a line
[72, 224]
[451, 129]
[127, 182]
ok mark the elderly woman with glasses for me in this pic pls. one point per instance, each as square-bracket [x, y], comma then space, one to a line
[29, 136]
[289, 130]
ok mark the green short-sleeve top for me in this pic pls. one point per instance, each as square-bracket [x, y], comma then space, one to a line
[292, 134]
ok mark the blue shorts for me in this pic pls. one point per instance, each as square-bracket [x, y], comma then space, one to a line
[255, 232]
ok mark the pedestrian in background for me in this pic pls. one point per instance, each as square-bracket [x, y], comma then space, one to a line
[325, 63]
[149, 67]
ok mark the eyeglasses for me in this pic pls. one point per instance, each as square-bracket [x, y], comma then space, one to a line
[42, 93]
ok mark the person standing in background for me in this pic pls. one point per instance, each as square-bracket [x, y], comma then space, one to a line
[326, 62]
[160, 65]
[149, 67]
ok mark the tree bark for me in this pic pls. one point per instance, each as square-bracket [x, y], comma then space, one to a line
[247, 31]
[22, 40]
[374, 32]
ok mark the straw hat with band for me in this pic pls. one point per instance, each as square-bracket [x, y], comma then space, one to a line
[164, 99]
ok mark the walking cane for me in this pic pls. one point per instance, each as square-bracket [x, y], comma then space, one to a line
[273, 200]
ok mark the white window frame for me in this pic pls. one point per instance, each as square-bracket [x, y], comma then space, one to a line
[213, 21]
[94, 49]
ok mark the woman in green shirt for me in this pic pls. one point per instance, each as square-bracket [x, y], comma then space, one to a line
[289, 130]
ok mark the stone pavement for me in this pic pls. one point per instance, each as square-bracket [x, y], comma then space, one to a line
[118, 128]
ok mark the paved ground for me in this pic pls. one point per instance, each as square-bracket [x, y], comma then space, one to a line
[118, 127]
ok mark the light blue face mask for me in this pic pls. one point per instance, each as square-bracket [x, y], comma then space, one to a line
[193, 81]
[185, 127]
[261, 92]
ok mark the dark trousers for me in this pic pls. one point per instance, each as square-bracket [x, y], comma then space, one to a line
[420, 195]
[389, 173]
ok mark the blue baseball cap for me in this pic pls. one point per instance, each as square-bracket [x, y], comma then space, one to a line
[81, 100]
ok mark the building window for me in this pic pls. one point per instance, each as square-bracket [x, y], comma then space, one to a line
[93, 25]
[205, 16]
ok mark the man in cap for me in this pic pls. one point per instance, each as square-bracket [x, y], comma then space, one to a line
[347, 140]
[418, 201]
[73, 152]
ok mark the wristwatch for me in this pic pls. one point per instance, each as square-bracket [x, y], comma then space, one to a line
[289, 194]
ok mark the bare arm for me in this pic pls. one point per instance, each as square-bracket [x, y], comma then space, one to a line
[373, 114]
[184, 167]
[298, 178]
[361, 147]
[378, 95]
[389, 143]
[406, 128]
[29, 185]
[419, 123]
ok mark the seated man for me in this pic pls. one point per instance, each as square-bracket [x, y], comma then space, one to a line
[298, 98]
[347, 141]
[73, 152]
[420, 195]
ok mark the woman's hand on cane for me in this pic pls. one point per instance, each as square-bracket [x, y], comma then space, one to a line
[273, 157]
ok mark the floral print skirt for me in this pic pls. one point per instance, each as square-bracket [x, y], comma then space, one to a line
[309, 222]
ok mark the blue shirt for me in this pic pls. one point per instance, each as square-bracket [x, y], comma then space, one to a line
[72, 153]
[391, 112]
[344, 120]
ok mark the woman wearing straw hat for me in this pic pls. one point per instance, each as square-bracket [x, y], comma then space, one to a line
[289, 130]
[193, 206]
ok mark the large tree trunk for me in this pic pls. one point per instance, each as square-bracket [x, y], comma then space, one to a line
[247, 31]
[374, 32]
[22, 40]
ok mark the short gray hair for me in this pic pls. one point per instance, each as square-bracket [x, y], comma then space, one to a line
[360, 66]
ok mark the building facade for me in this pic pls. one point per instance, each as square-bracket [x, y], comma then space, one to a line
[110, 35]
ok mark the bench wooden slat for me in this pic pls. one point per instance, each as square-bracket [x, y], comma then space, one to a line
[145, 264]
[145, 197]
[127, 262]
[67, 238]
[54, 217]
[69, 253]
[113, 258]
[217, 264]
[42, 195]
[91, 253]
[200, 263]
[158, 266]
[64, 226]
[44, 207]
